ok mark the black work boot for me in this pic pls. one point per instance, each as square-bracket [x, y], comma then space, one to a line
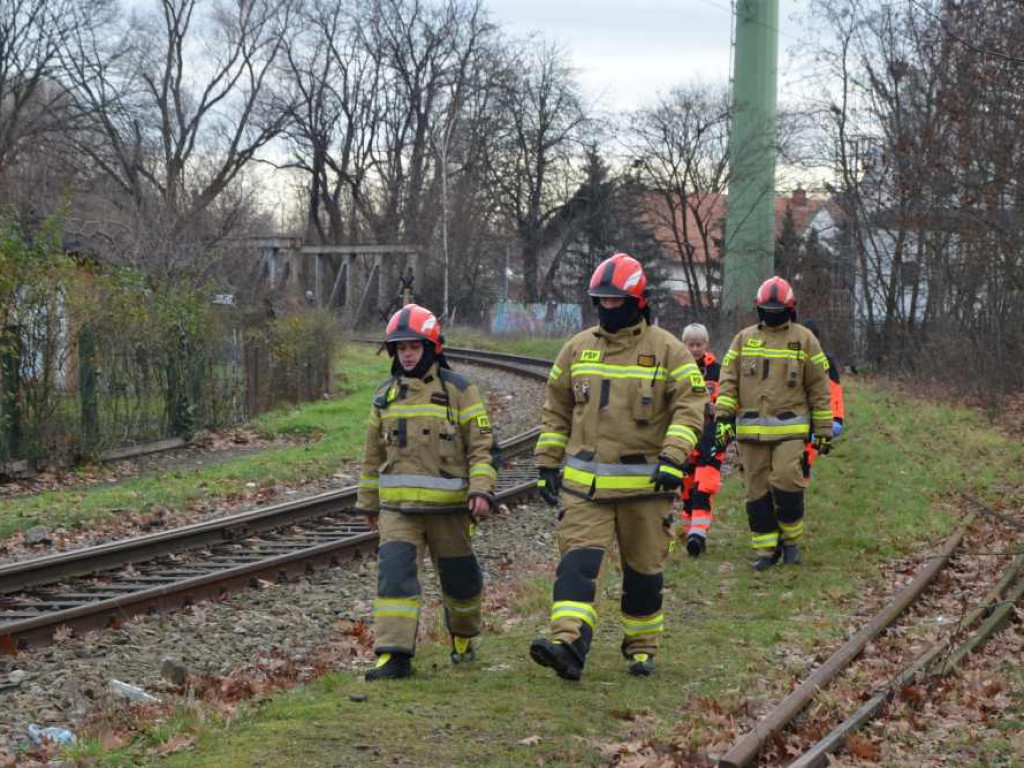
[463, 650]
[390, 666]
[791, 555]
[641, 665]
[695, 545]
[557, 656]
[768, 559]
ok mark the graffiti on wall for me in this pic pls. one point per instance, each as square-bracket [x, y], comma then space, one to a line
[508, 317]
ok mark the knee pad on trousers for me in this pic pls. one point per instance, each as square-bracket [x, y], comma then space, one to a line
[396, 570]
[641, 592]
[461, 578]
[789, 505]
[761, 515]
[576, 575]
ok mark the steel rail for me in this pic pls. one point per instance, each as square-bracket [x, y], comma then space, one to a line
[745, 751]
[79, 610]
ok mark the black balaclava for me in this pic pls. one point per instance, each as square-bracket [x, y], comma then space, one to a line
[773, 318]
[426, 360]
[613, 320]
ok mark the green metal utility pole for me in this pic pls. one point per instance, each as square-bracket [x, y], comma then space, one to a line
[750, 224]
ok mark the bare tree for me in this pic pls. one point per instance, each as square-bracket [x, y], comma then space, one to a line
[532, 163]
[678, 149]
[177, 103]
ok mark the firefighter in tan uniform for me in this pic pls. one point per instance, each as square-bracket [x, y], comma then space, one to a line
[774, 395]
[624, 409]
[429, 468]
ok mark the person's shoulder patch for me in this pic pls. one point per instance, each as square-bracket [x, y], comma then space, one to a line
[484, 424]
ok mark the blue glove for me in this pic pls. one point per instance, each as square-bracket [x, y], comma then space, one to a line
[837, 427]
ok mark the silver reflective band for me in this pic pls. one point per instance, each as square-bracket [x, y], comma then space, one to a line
[423, 481]
[611, 470]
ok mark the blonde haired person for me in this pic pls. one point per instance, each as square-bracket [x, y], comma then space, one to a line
[704, 469]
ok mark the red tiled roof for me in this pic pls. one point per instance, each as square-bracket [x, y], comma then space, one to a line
[709, 212]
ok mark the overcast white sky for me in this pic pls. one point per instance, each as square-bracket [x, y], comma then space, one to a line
[629, 50]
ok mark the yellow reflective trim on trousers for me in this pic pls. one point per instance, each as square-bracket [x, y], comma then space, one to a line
[765, 540]
[727, 402]
[468, 414]
[632, 626]
[429, 495]
[681, 430]
[556, 372]
[369, 482]
[571, 609]
[397, 607]
[788, 429]
[482, 470]
[791, 532]
[606, 482]
[612, 371]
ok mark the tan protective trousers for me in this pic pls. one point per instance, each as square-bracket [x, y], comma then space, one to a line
[403, 540]
[643, 529]
[775, 492]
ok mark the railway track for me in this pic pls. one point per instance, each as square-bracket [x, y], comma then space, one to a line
[102, 586]
[988, 608]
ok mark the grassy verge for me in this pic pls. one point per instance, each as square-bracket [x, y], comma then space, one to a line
[887, 491]
[533, 346]
[338, 424]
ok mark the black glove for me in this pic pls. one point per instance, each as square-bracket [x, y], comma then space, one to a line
[823, 443]
[667, 476]
[549, 484]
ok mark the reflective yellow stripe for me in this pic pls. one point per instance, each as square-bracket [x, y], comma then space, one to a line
[755, 429]
[668, 469]
[555, 439]
[607, 482]
[369, 481]
[570, 609]
[727, 402]
[822, 415]
[789, 354]
[681, 430]
[821, 359]
[633, 626]
[731, 355]
[482, 469]
[612, 371]
[685, 370]
[792, 532]
[765, 540]
[470, 413]
[429, 495]
[397, 607]
[412, 411]
[556, 372]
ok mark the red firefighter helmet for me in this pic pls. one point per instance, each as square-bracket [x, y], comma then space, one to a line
[415, 323]
[775, 294]
[619, 276]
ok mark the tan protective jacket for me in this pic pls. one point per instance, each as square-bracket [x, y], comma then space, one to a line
[775, 381]
[615, 402]
[429, 446]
